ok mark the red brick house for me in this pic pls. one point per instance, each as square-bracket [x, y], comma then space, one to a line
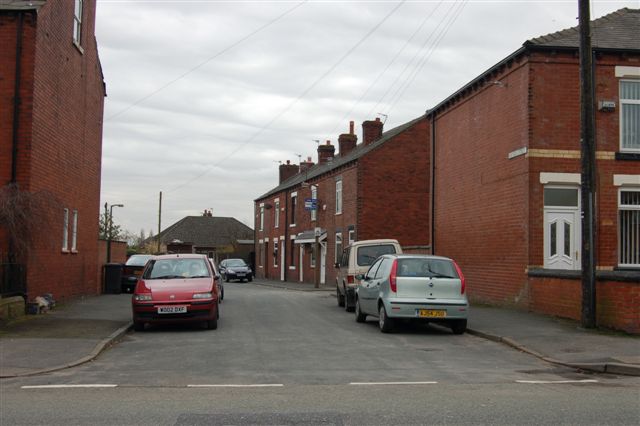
[51, 110]
[365, 191]
[506, 169]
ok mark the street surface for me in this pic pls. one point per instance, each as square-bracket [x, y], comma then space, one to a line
[288, 357]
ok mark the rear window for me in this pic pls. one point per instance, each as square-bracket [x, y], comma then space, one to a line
[177, 268]
[137, 260]
[441, 268]
[368, 254]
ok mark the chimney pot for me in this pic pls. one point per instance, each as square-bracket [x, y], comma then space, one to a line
[347, 141]
[351, 127]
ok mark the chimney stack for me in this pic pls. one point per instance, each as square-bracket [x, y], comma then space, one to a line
[288, 170]
[347, 141]
[306, 165]
[371, 131]
[326, 152]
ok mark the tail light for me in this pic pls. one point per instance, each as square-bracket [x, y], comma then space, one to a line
[393, 276]
[350, 279]
[463, 286]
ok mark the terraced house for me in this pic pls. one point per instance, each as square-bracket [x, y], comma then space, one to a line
[494, 182]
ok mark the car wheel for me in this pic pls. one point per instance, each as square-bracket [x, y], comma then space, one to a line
[360, 317]
[213, 324]
[226, 278]
[138, 326]
[386, 324]
[349, 307]
[459, 326]
[250, 279]
[340, 297]
[222, 294]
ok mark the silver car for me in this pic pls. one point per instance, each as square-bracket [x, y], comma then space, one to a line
[413, 287]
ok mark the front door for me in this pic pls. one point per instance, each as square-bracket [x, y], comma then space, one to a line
[323, 262]
[282, 258]
[301, 262]
[561, 243]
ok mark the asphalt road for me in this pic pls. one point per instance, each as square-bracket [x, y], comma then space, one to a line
[287, 357]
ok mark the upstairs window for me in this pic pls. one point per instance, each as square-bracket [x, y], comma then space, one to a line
[261, 216]
[77, 22]
[65, 230]
[339, 196]
[629, 228]
[314, 196]
[74, 232]
[276, 213]
[294, 203]
[630, 115]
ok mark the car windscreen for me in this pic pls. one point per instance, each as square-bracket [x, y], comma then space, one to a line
[235, 262]
[176, 268]
[368, 254]
[136, 260]
[423, 267]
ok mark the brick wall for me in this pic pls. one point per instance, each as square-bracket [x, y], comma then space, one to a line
[60, 145]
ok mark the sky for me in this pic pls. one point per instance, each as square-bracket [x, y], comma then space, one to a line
[205, 98]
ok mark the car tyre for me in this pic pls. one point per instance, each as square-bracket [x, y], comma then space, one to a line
[226, 278]
[340, 297]
[348, 307]
[459, 326]
[213, 324]
[386, 324]
[360, 317]
[138, 326]
[250, 279]
[222, 294]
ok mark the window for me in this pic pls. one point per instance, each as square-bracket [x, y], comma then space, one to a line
[312, 258]
[276, 213]
[339, 196]
[65, 230]
[74, 232]
[338, 247]
[294, 203]
[630, 115]
[77, 22]
[261, 216]
[314, 196]
[629, 228]
[352, 236]
[561, 228]
[261, 253]
[275, 253]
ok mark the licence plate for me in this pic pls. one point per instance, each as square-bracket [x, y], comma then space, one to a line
[240, 274]
[432, 313]
[172, 309]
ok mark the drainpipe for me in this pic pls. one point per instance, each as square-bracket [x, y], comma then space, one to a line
[433, 183]
[16, 101]
[285, 243]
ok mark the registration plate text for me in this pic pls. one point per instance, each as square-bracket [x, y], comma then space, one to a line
[172, 309]
[432, 313]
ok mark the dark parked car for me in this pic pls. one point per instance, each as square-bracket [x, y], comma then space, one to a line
[216, 272]
[132, 271]
[235, 269]
[176, 288]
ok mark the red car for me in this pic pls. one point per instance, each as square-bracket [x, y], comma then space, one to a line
[176, 288]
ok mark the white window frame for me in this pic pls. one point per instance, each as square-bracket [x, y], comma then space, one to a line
[627, 102]
[65, 230]
[314, 196]
[292, 253]
[312, 257]
[338, 253]
[630, 208]
[261, 216]
[294, 206]
[78, 7]
[74, 232]
[352, 236]
[339, 196]
[276, 208]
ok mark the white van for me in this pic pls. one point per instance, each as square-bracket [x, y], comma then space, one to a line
[356, 259]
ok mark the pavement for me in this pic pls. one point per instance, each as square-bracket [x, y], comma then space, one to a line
[78, 331]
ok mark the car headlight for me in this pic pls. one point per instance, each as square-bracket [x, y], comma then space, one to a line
[202, 296]
[231, 271]
[142, 297]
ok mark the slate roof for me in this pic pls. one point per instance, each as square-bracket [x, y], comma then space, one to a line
[338, 161]
[205, 231]
[619, 30]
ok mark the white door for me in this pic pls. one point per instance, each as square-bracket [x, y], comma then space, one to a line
[561, 240]
[301, 262]
[282, 257]
[323, 262]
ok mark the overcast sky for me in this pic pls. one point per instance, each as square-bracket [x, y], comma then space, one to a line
[204, 98]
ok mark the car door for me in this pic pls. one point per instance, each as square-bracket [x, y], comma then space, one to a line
[369, 288]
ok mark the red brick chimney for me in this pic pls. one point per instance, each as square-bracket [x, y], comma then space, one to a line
[347, 141]
[288, 170]
[325, 152]
[306, 165]
[371, 131]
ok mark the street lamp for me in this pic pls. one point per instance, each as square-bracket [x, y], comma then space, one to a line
[109, 228]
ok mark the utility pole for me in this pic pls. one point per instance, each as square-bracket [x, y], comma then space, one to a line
[588, 162]
[159, 220]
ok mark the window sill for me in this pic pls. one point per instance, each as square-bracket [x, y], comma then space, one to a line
[293, 225]
[622, 275]
[77, 46]
[74, 251]
[292, 268]
[628, 156]
[65, 251]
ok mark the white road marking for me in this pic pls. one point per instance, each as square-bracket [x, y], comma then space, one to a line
[391, 383]
[545, 382]
[268, 385]
[68, 386]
